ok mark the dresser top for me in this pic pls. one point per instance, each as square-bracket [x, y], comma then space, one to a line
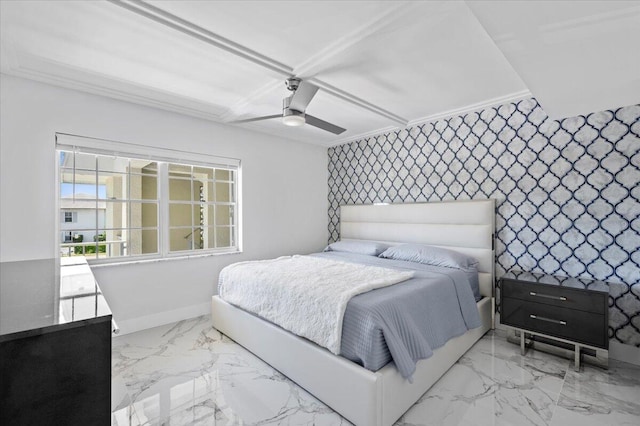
[37, 296]
[579, 283]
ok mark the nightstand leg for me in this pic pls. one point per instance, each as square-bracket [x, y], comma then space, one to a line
[522, 351]
[576, 365]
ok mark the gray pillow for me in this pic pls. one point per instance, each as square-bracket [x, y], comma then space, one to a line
[370, 248]
[430, 255]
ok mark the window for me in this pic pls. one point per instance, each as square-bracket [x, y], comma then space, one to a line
[70, 217]
[124, 205]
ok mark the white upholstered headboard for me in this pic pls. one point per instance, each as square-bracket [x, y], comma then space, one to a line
[464, 226]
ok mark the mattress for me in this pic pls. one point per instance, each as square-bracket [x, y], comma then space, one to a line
[405, 322]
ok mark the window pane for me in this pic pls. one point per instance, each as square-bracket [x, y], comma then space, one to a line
[101, 248]
[83, 214]
[208, 192]
[199, 241]
[180, 239]
[203, 173]
[149, 241]
[200, 191]
[113, 164]
[209, 237]
[199, 214]
[65, 160]
[82, 243]
[180, 215]
[84, 162]
[148, 215]
[135, 187]
[179, 190]
[114, 214]
[115, 184]
[66, 176]
[114, 244]
[223, 192]
[232, 192]
[148, 187]
[143, 215]
[74, 242]
[209, 214]
[179, 170]
[86, 178]
[142, 241]
[222, 174]
[223, 236]
[146, 167]
[84, 188]
[223, 215]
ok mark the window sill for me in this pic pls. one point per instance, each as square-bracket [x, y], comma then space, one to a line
[160, 259]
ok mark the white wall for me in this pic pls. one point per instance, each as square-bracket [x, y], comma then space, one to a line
[284, 192]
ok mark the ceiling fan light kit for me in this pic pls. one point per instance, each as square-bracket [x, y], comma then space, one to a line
[293, 120]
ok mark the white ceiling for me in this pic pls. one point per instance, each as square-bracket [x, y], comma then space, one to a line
[380, 65]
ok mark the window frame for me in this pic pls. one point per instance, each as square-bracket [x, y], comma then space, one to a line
[163, 157]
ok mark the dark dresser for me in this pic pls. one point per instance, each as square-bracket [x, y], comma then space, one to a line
[570, 312]
[55, 344]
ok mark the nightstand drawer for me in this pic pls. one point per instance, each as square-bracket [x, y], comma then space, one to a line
[556, 296]
[579, 326]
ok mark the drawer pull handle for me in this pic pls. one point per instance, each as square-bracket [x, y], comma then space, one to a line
[548, 319]
[548, 296]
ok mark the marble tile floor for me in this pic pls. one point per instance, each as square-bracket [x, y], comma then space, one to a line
[187, 373]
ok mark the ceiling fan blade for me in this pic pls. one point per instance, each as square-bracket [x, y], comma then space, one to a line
[302, 96]
[321, 124]
[266, 117]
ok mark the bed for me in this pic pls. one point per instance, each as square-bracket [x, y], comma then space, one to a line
[362, 396]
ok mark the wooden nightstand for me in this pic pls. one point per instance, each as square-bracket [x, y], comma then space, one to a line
[557, 311]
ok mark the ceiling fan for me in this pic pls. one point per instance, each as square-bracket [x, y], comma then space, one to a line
[294, 106]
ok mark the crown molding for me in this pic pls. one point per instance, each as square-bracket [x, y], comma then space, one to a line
[512, 97]
[525, 94]
[366, 135]
[51, 72]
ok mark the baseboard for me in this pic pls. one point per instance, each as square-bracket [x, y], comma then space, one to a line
[149, 321]
[625, 353]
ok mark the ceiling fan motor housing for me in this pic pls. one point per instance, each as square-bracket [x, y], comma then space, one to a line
[292, 83]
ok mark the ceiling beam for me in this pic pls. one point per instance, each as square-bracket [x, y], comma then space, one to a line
[188, 28]
[341, 94]
[169, 20]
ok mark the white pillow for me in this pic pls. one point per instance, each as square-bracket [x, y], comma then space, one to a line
[430, 255]
[370, 248]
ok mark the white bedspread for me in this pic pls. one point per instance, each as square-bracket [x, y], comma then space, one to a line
[303, 294]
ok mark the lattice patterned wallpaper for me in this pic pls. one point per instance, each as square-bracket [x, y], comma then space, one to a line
[568, 192]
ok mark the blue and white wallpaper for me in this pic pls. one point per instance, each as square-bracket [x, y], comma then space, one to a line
[568, 192]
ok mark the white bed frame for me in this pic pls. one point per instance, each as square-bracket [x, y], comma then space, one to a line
[378, 398]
